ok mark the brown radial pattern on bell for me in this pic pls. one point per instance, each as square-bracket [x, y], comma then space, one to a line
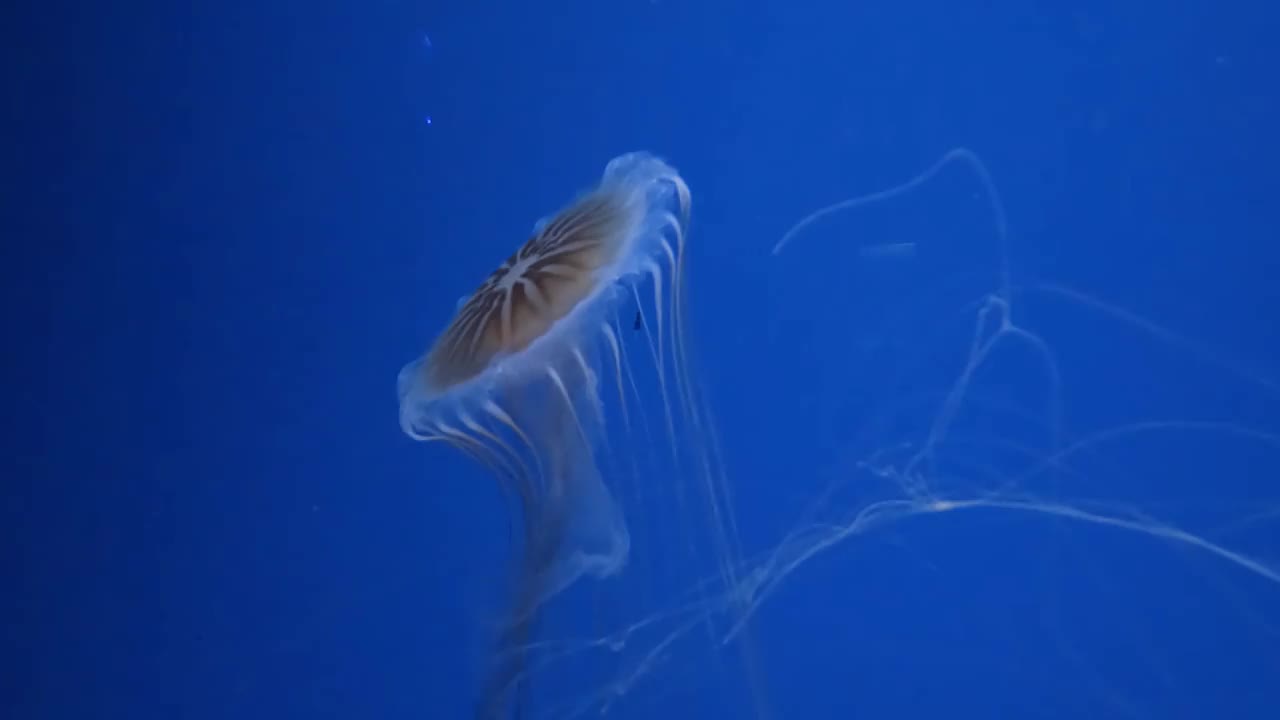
[537, 286]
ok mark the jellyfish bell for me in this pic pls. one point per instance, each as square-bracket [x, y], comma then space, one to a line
[513, 378]
[554, 297]
[534, 379]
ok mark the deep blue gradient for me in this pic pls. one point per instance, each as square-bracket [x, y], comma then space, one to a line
[228, 225]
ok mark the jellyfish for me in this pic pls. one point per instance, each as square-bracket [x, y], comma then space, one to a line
[536, 380]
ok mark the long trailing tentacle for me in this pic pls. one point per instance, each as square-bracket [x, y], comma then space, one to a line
[547, 518]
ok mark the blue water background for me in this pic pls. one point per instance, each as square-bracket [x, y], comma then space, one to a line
[231, 224]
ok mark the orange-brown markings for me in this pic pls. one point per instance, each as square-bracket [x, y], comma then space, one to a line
[533, 289]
